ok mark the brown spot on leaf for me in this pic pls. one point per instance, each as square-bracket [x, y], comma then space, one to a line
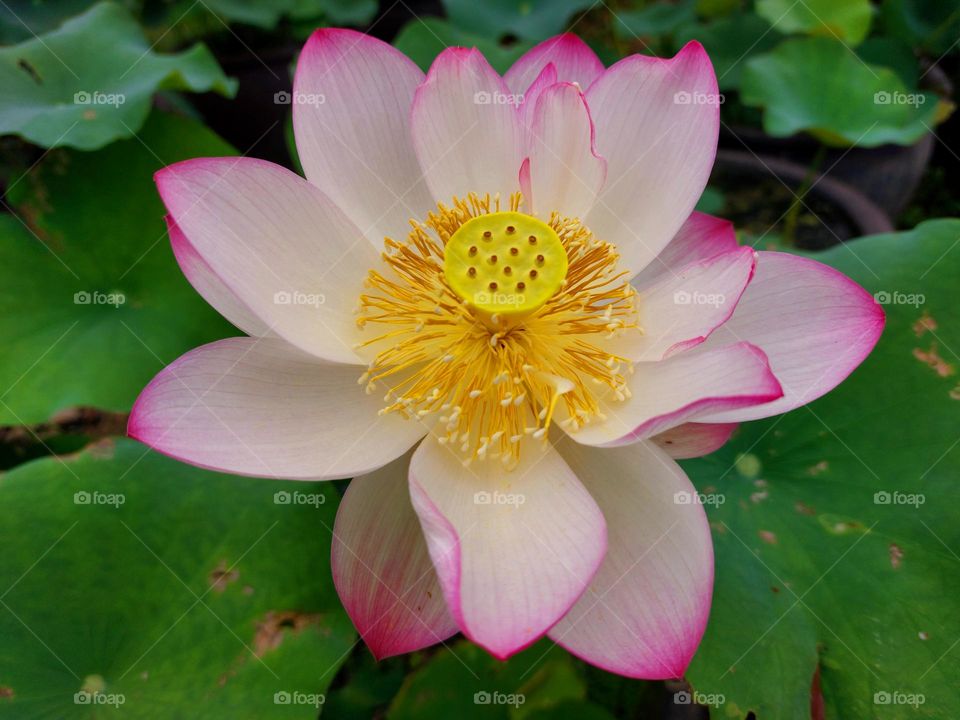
[30, 70]
[923, 324]
[839, 526]
[6, 692]
[955, 393]
[768, 537]
[759, 496]
[936, 363]
[103, 449]
[803, 508]
[220, 577]
[896, 555]
[271, 629]
[817, 705]
[820, 467]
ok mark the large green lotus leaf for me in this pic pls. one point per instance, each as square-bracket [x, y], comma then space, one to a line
[22, 19]
[845, 20]
[177, 592]
[730, 42]
[579, 709]
[894, 54]
[463, 681]
[422, 40]
[837, 544]
[88, 233]
[820, 86]
[933, 25]
[531, 20]
[92, 81]
[655, 19]
[268, 14]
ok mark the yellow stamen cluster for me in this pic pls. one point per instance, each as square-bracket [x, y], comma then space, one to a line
[485, 381]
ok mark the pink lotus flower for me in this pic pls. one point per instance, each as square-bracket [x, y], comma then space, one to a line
[533, 349]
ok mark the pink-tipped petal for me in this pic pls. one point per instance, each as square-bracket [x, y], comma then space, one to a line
[687, 386]
[682, 307]
[657, 124]
[465, 128]
[701, 237]
[565, 171]
[259, 406]
[694, 439]
[574, 60]
[211, 287]
[513, 550]
[646, 608]
[351, 101]
[528, 105]
[814, 323]
[382, 569]
[278, 244]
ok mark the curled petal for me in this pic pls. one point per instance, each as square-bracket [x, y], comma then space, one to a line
[814, 323]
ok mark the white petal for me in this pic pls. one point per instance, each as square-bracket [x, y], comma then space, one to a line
[514, 550]
[682, 307]
[699, 238]
[382, 569]
[646, 608]
[814, 323]
[278, 244]
[259, 406]
[206, 282]
[659, 148]
[687, 386]
[565, 172]
[465, 128]
[573, 59]
[351, 119]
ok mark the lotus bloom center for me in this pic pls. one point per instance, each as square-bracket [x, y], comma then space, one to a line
[495, 323]
[505, 264]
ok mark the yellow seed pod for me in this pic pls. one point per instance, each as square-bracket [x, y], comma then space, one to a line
[506, 263]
